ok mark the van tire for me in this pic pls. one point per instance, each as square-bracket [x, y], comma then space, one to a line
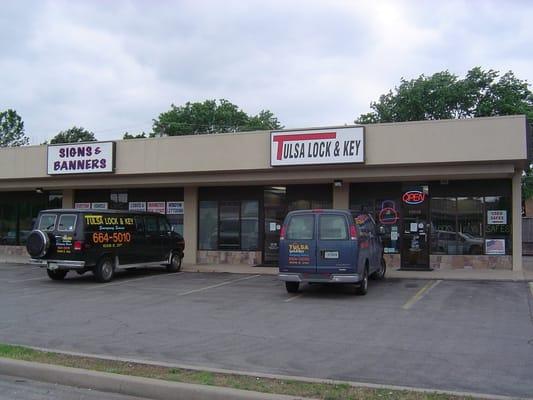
[362, 287]
[175, 263]
[56, 275]
[104, 270]
[380, 273]
[292, 287]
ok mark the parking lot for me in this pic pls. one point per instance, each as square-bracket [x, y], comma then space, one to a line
[455, 335]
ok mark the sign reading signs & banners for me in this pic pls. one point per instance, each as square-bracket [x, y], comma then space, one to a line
[322, 146]
[81, 158]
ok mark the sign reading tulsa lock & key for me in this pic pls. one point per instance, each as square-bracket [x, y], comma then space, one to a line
[81, 158]
[317, 146]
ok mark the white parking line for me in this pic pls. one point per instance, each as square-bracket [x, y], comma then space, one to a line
[117, 283]
[420, 294]
[25, 280]
[217, 285]
[293, 297]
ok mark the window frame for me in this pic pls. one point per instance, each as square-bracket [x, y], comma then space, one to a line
[53, 226]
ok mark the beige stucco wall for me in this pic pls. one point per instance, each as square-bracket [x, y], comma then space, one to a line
[493, 141]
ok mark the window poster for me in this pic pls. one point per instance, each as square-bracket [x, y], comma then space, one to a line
[156, 206]
[174, 207]
[495, 246]
[137, 206]
[82, 206]
[99, 206]
[497, 217]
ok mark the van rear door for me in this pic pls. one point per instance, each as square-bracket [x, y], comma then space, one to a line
[336, 249]
[298, 249]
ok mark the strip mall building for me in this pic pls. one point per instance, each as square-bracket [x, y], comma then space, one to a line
[447, 193]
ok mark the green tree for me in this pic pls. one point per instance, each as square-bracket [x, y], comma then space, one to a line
[445, 96]
[73, 135]
[128, 135]
[210, 117]
[12, 129]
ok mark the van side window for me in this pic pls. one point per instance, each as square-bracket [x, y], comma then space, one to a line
[301, 227]
[164, 226]
[67, 222]
[332, 227]
[150, 222]
[139, 223]
[47, 222]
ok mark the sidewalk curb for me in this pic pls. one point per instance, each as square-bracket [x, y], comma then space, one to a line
[128, 385]
[473, 395]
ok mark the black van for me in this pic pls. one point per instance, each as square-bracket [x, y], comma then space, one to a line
[102, 241]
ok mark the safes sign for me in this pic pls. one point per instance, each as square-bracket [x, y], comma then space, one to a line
[81, 158]
[323, 146]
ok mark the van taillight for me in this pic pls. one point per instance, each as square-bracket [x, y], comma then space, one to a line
[282, 233]
[78, 245]
[353, 232]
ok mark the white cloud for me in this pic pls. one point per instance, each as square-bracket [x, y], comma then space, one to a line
[114, 66]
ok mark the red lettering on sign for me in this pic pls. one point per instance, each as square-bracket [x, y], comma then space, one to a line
[280, 139]
[414, 197]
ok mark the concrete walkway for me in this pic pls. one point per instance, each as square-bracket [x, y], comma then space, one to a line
[455, 274]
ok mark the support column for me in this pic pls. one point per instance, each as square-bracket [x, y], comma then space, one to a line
[341, 196]
[190, 223]
[517, 220]
[68, 198]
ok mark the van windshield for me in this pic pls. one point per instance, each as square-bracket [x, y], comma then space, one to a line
[301, 227]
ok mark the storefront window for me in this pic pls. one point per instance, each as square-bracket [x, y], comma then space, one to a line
[208, 225]
[229, 227]
[249, 225]
[469, 225]
[55, 199]
[498, 225]
[118, 200]
[18, 211]
[443, 225]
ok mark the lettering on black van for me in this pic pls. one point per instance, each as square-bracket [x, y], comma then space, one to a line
[110, 231]
[299, 254]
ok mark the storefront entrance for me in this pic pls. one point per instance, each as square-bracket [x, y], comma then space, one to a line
[415, 236]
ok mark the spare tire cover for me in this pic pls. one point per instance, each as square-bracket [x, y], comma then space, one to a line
[38, 243]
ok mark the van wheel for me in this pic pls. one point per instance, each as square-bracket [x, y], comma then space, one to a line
[175, 263]
[362, 287]
[292, 287]
[104, 270]
[56, 275]
[380, 273]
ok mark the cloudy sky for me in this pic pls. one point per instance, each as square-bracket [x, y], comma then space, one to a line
[113, 66]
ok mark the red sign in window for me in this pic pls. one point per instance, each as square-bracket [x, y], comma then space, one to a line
[414, 197]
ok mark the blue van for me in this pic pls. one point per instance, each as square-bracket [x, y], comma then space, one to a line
[330, 246]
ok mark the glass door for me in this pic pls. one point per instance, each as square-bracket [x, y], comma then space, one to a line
[275, 210]
[415, 229]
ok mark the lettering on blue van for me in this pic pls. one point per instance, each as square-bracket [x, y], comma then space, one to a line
[299, 254]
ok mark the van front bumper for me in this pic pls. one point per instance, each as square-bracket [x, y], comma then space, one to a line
[58, 264]
[319, 278]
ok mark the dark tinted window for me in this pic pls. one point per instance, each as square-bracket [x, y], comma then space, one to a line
[332, 227]
[67, 222]
[150, 223]
[47, 222]
[301, 227]
[164, 226]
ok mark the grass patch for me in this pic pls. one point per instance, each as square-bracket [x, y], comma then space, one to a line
[325, 391]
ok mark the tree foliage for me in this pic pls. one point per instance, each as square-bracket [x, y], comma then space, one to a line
[210, 117]
[445, 96]
[73, 135]
[128, 135]
[12, 129]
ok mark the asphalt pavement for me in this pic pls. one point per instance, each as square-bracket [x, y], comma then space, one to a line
[472, 336]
